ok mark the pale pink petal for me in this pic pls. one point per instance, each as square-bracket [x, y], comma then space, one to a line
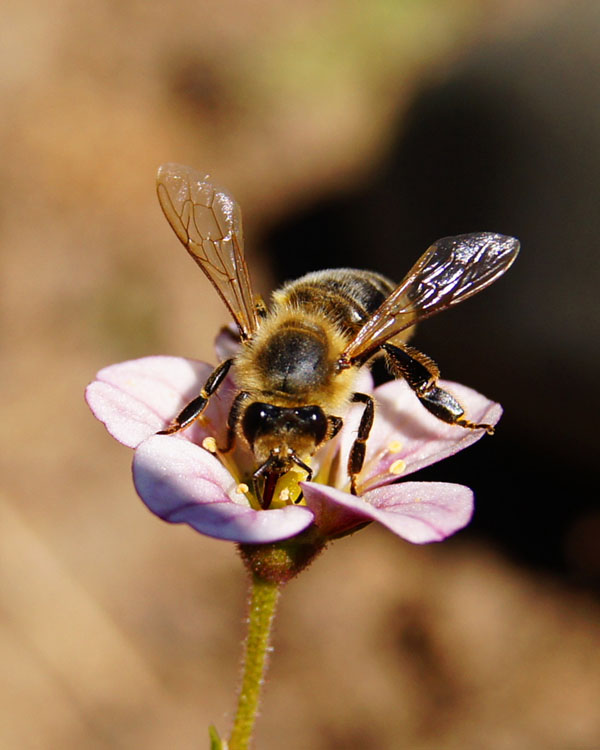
[331, 517]
[137, 398]
[426, 438]
[183, 483]
[406, 435]
[420, 512]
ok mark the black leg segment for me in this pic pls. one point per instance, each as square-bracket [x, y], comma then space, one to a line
[359, 447]
[232, 420]
[195, 408]
[335, 424]
[421, 374]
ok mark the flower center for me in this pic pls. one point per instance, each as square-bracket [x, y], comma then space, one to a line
[287, 489]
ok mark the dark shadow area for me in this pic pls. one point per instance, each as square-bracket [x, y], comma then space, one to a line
[509, 143]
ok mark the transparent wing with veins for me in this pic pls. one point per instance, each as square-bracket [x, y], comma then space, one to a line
[208, 222]
[450, 271]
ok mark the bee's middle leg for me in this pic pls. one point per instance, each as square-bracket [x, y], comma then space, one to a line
[359, 447]
[195, 408]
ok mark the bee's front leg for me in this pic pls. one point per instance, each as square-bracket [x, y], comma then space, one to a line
[195, 408]
[233, 420]
[421, 373]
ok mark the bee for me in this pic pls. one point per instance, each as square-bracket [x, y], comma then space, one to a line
[298, 360]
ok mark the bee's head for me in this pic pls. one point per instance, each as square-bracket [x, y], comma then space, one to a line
[280, 437]
[268, 428]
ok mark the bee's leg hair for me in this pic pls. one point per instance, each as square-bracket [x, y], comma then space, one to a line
[359, 447]
[195, 408]
[421, 373]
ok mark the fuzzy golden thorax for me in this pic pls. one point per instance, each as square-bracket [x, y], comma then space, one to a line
[291, 361]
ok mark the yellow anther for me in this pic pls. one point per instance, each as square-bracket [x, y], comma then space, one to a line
[285, 495]
[395, 446]
[398, 467]
[242, 489]
[210, 444]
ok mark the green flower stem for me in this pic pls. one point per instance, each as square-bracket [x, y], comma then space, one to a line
[263, 600]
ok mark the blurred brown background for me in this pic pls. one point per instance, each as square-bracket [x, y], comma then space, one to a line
[351, 133]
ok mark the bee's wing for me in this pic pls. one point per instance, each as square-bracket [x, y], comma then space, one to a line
[450, 271]
[208, 222]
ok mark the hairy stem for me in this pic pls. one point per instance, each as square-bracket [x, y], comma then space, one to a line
[263, 600]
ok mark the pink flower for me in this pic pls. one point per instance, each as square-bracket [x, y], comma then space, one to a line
[182, 479]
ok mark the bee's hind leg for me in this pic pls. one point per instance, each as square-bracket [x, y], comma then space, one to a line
[195, 408]
[421, 374]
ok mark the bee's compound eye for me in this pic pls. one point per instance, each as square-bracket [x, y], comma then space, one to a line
[315, 421]
[256, 419]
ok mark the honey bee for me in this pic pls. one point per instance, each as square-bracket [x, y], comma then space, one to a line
[298, 361]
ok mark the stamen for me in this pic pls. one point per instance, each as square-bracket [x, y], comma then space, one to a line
[398, 467]
[242, 488]
[285, 495]
[210, 444]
